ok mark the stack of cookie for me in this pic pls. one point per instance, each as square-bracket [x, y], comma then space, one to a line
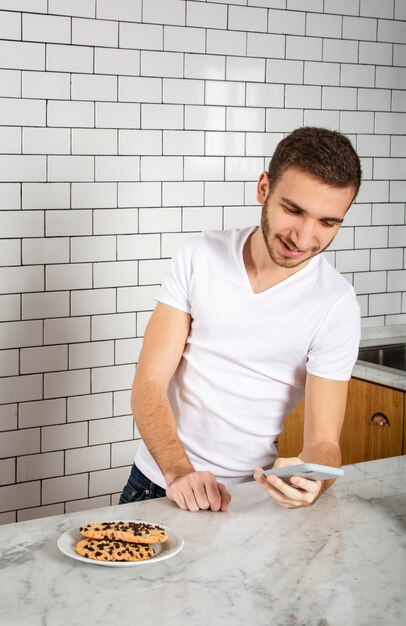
[120, 541]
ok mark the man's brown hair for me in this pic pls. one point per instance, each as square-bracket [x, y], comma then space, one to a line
[326, 154]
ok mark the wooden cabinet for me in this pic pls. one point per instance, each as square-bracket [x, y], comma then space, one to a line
[404, 424]
[373, 426]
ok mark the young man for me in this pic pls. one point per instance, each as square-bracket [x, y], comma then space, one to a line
[246, 322]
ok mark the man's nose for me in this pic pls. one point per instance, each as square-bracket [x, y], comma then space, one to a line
[305, 235]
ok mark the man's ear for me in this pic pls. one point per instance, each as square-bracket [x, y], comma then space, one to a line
[262, 188]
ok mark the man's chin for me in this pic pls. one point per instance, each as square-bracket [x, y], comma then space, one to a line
[291, 263]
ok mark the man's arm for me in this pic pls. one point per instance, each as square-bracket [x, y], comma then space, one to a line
[325, 402]
[162, 350]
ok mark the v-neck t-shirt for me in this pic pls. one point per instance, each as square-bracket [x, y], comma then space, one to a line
[247, 354]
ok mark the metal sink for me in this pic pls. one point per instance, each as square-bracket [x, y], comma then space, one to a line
[393, 356]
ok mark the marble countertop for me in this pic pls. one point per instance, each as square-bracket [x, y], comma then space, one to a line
[379, 336]
[340, 562]
[380, 375]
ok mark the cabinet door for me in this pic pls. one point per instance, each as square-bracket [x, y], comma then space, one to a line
[362, 438]
[404, 424]
[373, 425]
[290, 441]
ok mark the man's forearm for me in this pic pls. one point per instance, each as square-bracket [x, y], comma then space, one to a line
[157, 426]
[323, 453]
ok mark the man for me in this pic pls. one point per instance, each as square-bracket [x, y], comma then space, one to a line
[246, 322]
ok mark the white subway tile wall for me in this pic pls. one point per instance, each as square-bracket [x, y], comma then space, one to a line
[125, 128]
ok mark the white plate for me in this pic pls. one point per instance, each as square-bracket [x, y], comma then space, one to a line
[68, 540]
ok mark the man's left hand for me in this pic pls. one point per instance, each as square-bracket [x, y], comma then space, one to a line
[300, 492]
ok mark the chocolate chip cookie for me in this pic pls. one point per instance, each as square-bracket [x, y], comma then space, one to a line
[106, 550]
[132, 532]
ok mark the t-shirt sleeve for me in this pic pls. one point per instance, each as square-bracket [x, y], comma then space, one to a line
[334, 350]
[176, 288]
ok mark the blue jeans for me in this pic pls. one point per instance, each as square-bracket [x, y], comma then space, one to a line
[139, 487]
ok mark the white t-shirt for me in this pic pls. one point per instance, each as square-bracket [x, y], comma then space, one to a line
[245, 361]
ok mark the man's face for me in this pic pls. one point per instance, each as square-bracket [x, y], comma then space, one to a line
[301, 216]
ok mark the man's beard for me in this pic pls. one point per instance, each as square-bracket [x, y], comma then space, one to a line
[283, 262]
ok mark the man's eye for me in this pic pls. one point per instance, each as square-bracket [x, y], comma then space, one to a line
[329, 224]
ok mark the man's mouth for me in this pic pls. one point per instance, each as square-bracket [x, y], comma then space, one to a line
[290, 249]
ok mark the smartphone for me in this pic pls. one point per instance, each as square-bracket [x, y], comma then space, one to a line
[312, 471]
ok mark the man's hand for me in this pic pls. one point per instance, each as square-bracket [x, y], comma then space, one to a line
[197, 491]
[300, 493]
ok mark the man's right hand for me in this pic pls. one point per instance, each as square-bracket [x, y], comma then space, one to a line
[197, 491]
